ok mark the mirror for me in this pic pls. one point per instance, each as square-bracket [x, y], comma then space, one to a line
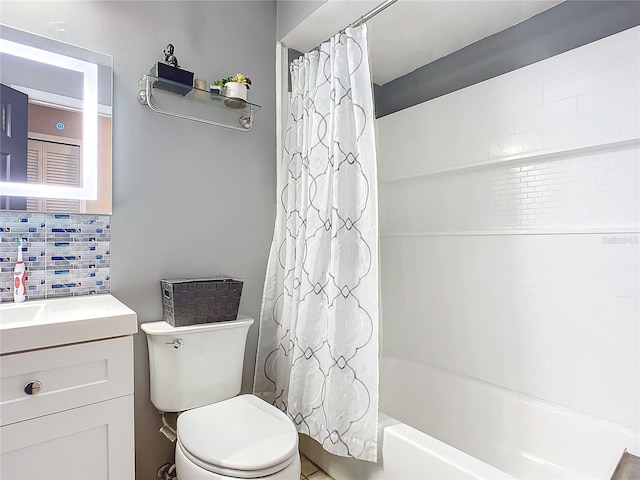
[55, 125]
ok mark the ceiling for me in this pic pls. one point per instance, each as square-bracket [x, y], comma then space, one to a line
[413, 33]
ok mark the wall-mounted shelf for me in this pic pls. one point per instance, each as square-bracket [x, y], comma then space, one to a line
[182, 101]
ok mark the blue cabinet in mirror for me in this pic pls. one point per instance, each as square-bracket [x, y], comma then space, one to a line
[55, 125]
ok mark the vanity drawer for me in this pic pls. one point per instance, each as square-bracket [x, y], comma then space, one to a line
[70, 376]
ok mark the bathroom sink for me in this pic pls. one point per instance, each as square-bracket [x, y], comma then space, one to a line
[60, 321]
[21, 312]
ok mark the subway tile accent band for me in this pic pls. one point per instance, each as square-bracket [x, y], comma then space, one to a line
[65, 255]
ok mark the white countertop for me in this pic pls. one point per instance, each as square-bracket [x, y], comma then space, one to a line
[46, 323]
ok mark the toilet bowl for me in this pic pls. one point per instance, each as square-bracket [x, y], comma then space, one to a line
[243, 437]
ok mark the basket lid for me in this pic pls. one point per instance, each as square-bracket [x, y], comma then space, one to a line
[218, 278]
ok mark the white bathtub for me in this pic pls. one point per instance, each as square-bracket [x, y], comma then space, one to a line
[404, 454]
[482, 431]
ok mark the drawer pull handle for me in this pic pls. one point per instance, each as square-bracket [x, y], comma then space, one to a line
[33, 387]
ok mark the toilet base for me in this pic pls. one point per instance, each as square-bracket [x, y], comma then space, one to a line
[187, 470]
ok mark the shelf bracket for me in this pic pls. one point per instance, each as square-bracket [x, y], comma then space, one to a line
[145, 97]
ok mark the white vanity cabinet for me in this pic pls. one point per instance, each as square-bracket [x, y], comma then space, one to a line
[66, 411]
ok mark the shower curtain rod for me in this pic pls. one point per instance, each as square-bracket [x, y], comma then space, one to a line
[372, 13]
[365, 18]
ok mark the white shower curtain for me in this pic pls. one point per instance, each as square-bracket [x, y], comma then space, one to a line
[318, 346]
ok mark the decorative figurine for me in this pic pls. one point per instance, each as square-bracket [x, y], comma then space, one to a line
[169, 57]
[169, 75]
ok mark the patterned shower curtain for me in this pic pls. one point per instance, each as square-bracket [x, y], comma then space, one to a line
[318, 346]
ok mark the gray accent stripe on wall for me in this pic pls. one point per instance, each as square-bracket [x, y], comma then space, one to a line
[562, 28]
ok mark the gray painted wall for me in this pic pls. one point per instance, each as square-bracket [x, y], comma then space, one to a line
[292, 12]
[559, 29]
[188, 199]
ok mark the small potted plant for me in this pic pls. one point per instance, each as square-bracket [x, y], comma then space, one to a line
[233, 87]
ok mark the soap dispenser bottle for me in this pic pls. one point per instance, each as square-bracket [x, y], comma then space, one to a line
[19, 277]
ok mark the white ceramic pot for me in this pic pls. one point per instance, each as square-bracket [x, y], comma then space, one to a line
[235, 90]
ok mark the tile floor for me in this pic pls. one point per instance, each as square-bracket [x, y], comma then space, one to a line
[310, 471]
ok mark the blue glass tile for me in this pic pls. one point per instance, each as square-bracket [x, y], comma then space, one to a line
[53, 246]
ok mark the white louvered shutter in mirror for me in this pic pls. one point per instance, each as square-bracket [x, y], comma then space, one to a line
[54, 164]
[34, 153]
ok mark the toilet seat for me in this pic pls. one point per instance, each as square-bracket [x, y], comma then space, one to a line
[243, 437]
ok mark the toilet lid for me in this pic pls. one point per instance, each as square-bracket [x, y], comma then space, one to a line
[243, 434]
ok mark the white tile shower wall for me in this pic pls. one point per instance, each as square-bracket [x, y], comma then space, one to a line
[551, 316]
[65, 255]
[581, 98]
[510, 214]
[575, 191]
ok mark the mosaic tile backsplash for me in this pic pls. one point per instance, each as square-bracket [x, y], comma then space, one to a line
[65, 255]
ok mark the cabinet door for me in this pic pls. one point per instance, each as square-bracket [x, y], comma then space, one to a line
[86, 443]
[14, 110]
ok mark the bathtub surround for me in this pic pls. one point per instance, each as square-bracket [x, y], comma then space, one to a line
[318, 347]
[65, 255]
[510, 221]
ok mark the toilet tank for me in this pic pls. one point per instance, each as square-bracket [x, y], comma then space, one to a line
[195, 365]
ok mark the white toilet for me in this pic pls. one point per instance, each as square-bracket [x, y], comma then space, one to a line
[197, 370]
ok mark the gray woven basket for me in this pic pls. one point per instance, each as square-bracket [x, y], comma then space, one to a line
[190, 301]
